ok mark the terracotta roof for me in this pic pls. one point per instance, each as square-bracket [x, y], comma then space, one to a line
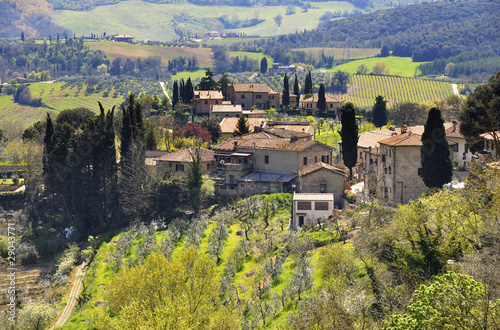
[266, 141]
[228, 125]
[255, 88]
[186, 155]
[329, 98]
[226, 108]
[249, 112]
[217, 95]
[312, 197]
[318, 166]
[284, 133]
[489, 135]
[156, 153]
[403, 140]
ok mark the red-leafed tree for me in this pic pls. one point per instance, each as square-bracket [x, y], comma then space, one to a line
[193, 130]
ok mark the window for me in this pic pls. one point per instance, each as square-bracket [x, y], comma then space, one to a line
[361, 155]
[179, 167]
[383, 158]
[389, 170]
[243, 96]
[305, 161]
[390, 153]
[315, 159]
[331, 105]
[325, 159]
[258, 97]
[420, 172]
[243, 105]
[303, 205]
[322, 188]
[466, 148]
[206, 102]
[170, 165]
[266, 159]
[231, 178]
[321, 206]
[216, 101]
[271, 97]
[455, 147]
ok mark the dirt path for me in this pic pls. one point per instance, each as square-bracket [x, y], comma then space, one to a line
[73, 295]
[455, 89]
[162, 84]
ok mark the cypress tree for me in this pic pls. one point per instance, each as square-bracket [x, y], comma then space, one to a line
[47, 141]
[175, 96]
[286, 92]
[296, 90]
[242, 127]
[194, 181]
[379, 112]
[349, 135]
[263, 65]
[22, 36]
[189, 91]
[182, 90]
[308, 84]
[321, 105]
[435, 152]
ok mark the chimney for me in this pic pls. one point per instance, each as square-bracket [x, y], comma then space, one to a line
[404, 128]
[235, 143]
[454, 122]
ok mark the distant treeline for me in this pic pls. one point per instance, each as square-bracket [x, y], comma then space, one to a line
[466, 64]
[425, 32]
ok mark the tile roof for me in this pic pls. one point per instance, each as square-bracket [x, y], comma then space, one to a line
[318, 166]
[186, 155]
[226, 107]
[284, 133]
[312, 197]
[489, 135]
[329, 98]
[403, 140]
[208, 95]
[255, 88]
[228, 125]
[454, 132]
[266, 141]
[156, 153]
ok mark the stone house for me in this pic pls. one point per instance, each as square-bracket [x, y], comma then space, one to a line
[489, 139]
[393, 171]
[221, 111]
[180, 162]
[461, 151]
[309, 209]
[263, 162]
[324, 178]
[228, 125]
[332, 103]
[203, 100]
[248, 95]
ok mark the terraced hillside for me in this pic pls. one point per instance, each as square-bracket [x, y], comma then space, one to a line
[364, 89]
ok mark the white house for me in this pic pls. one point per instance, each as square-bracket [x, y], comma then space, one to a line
[308, 209]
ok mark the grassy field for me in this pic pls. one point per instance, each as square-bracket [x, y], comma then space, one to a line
[146, 20]
[56, 97]
[186, 74]
[399, 66]
[364, 89]
[126, 50]
[339, 53]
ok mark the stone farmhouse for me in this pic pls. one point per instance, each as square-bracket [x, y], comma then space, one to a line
[228, 125]
[489, 142]
[248, 95]
[332, 103]
[393, 171]
[221, 111]
[203, 100]
[308, 209]
[265, 162]
[180, 162]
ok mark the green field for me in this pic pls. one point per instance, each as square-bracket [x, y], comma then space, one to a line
[146, 20]
[188, 74]
[56, 97]
[399, 66]
[135, 51]
[364, 89]
[339, 53]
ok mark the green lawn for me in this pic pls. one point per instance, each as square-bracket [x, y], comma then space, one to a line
[186, 74]
[339, 53]
[145, 20]
[399, 66]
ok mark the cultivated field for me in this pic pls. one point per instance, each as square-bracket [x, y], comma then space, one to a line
[364, 89]
[399, 66]
[146, 20]
[125, 50]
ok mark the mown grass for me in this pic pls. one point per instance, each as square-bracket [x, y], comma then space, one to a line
[56, 97]
[339, 53]
[134, 51]
[188, 74]
[146, 20]
[253, 56]
[399, 66]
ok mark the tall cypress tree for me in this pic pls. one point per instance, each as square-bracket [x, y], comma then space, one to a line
[286, 92]
[349, 135]
[263, 65]
[321, 105]
[296, 90]
[22, 36]
[435, 152]
[175, 95]
[195, 180]
[308, 84]
[242, 126]
[189, 91]
[182, 90]
[47, 141]
[379, 112]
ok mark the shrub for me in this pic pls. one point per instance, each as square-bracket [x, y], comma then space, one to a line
[26, 253]
[68, 259]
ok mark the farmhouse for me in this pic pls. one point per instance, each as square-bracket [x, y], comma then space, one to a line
[228, 125]
[203, 100]
[180, 162]
[248, 95]
[491, 140]
[310, 209]
[332, 103]
[221, 111]
[123, 38]
[324, 178]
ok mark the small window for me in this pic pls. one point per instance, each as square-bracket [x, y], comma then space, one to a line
[271, 97]
[325, 159]
[315, 159]
[322, 188]
[179, 167]
[243, 96]
[466, 148]
[206, 102]
[361, 155]
[170, 165]
[383, 158]
[389, 170]
[266, 159]
[455, 147]
[258, 97]
[321, 206]
[243, 105]
[231, 178]
[331, 105]
[305, 161]
[303, 205]
[216, 101]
